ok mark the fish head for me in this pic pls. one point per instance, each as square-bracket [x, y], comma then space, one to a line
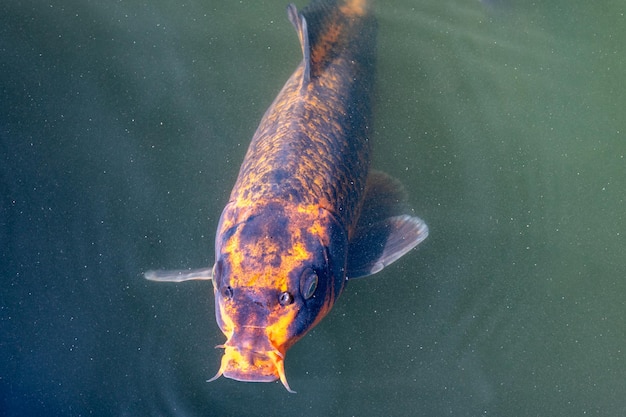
[277, 274]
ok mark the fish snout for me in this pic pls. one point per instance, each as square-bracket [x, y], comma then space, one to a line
[249, 356]
[250, 366]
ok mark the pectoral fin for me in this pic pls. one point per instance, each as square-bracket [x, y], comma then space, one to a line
[383, 235]
[179, 275]
[383, 243]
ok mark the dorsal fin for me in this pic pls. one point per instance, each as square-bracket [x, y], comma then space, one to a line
[299, 23]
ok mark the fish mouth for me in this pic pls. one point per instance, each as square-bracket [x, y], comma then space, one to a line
[246, 365]
[252, 366]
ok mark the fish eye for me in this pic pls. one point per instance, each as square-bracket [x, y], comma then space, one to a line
[227, 292]
[308, 284]
[285, 298]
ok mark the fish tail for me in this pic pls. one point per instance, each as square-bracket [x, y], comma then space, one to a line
[327, 28]
[355, 8]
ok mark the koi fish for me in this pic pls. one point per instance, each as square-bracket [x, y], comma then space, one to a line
[306, 213]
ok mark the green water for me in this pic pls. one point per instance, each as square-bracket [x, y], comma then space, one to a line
[121, 133]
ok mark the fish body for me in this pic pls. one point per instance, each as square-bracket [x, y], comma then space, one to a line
[306, 212]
